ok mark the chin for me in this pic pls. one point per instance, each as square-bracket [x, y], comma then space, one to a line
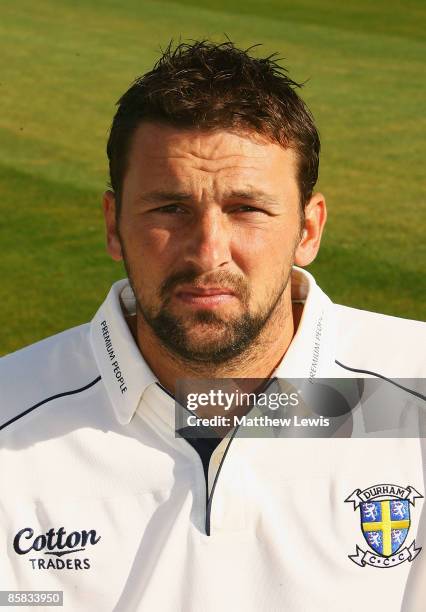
[207, 340]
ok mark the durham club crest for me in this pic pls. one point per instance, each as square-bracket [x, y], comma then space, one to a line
[385, 521]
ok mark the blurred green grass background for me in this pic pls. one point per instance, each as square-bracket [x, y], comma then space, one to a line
[64, 64]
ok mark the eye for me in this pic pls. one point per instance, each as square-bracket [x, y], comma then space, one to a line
[246, 208]
[171, 209]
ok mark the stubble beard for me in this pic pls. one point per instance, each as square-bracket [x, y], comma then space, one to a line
[223, 339]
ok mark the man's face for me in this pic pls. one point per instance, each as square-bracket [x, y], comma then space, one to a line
[208, 229]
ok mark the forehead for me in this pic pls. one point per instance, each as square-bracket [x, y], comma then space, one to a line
[162, 153]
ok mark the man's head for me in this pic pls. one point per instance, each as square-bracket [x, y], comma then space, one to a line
[211, 86]
[213, 160]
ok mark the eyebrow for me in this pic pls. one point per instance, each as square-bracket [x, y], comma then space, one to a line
[252, 195]
[160, 196]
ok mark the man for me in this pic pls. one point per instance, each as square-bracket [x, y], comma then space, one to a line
[213, 162]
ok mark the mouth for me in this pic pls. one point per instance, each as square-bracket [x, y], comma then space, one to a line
[205, 297]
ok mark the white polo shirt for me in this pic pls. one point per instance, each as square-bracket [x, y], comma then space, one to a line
[100, 499]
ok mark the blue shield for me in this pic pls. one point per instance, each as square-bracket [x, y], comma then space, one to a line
[385, 524]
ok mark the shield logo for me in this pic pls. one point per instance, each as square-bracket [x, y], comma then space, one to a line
[385, 524]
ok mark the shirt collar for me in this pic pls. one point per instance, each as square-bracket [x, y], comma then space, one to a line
[311, 353]
[124, 371]
[128, 378]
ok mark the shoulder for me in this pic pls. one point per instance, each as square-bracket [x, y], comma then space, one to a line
[391, 346]
[57, 365]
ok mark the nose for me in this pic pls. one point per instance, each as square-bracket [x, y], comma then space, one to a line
[209, 241]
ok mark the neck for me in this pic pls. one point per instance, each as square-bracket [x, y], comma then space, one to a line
[258, 361]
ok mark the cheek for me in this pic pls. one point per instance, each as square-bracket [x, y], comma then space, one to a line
[265, 253]
[152, 245]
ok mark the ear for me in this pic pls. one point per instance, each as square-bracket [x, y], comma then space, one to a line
[112, 236]
[315, 218]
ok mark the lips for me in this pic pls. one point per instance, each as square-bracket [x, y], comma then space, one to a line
[204, 296]
[205, 291]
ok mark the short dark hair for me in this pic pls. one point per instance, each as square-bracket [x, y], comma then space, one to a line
[204, 85]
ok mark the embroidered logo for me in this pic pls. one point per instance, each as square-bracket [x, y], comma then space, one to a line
[56, 544]
[385, 522]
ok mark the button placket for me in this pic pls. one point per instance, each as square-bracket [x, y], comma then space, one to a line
[226, 509]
